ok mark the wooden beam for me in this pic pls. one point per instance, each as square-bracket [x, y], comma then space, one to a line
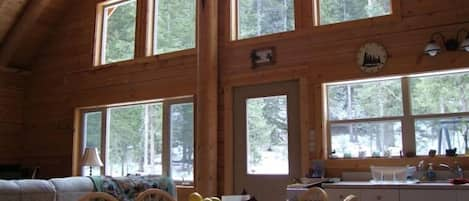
[14, 70]
[207, 98]
[22, 27]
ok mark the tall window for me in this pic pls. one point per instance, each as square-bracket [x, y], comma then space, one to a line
[152, 138]
[336, 11]
[262, 17]
[174, 25]
[370, 118]
[116, 32]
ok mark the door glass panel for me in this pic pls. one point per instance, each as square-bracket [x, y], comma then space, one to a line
[182, 142]
[267, 135]
[134, 141]
[92, 136]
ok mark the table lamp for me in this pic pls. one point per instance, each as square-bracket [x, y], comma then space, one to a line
[91, 158]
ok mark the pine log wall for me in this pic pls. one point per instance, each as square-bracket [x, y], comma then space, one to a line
[12, 97]
[63, 77]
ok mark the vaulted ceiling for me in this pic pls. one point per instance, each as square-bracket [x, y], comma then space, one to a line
[25, 25]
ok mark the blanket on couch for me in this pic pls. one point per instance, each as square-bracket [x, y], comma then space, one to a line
[128, 188]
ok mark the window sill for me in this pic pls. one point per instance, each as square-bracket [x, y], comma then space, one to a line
[142, 60]
[359, 23]
[265, 38]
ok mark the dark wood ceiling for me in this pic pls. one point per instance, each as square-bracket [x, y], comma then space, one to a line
[25, 25]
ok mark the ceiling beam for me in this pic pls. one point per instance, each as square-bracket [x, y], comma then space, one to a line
[22, 29]
[5, 69]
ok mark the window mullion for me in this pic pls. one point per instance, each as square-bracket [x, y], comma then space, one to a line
[140, 29]
[166, 159]
[408, 130]
[104, 129]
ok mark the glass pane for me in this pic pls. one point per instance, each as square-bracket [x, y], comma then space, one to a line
[368, 139]
[441, 134]
[440, 94]
[267, 135]
[174, 25]
[373, 99]
[182, 142]
[335, 11]
[262, 17]
[92, 127]
[134, 140]
[119, 32]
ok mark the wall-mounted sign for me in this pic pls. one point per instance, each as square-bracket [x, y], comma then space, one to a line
[371, 57]
[263, 56]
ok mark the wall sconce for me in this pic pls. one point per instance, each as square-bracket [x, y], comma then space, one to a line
[452, 44]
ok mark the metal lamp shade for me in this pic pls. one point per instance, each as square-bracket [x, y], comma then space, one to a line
[91, 157]
[465, 44]
[432, 48]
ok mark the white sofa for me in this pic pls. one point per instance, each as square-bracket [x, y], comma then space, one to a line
[58, 189]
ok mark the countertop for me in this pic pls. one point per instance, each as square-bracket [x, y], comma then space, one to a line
[442, 185]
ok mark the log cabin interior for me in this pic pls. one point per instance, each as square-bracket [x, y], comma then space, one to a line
[232, 95]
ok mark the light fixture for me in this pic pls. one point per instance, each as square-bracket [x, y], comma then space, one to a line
[433, 48]
[91, 159]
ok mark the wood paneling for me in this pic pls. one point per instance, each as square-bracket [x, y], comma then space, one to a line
[63, 77]
[12, 98]
[10, 10]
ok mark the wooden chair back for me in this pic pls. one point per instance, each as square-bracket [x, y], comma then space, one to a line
[314, 194]
[92, 196]
[351, 198]
[154, 194]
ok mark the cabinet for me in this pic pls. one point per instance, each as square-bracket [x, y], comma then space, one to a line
[380, 195]
[364, 194]
[340, 194]
[428, 195]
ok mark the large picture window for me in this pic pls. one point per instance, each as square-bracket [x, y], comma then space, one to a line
[336, 11]
[116, 31]
[254, 18]
[371, 118]
[154, 138]
[174, 25]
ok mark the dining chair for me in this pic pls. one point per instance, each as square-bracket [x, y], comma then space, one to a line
[154, 194]
[351, 198]
[92, 196]
[314, 194]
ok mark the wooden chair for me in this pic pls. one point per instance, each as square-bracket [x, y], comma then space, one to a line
[314, 194]
[154, 194]
[97, 196]
[351, 198]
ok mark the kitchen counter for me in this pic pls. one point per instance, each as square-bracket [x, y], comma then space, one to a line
[442, 185]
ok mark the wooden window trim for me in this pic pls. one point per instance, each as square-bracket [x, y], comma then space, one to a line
[407, 119]
[78, 145]
[231, 24]
[305, 23]
[394, 17]
[151, 14]
[100, 28]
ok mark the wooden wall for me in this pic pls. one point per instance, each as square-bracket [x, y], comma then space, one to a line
[12, 97]
[64, 78]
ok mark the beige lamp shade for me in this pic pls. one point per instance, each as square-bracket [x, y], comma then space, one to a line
[91, 157]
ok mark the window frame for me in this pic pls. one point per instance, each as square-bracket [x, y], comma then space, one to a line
[234, 22]
[166, 134]
[393, 16]
[150, 44]
[101, 27]
[407, 119]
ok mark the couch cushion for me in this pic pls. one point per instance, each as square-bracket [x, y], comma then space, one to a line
[9, 191]
[36, 190]
[72, 188]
